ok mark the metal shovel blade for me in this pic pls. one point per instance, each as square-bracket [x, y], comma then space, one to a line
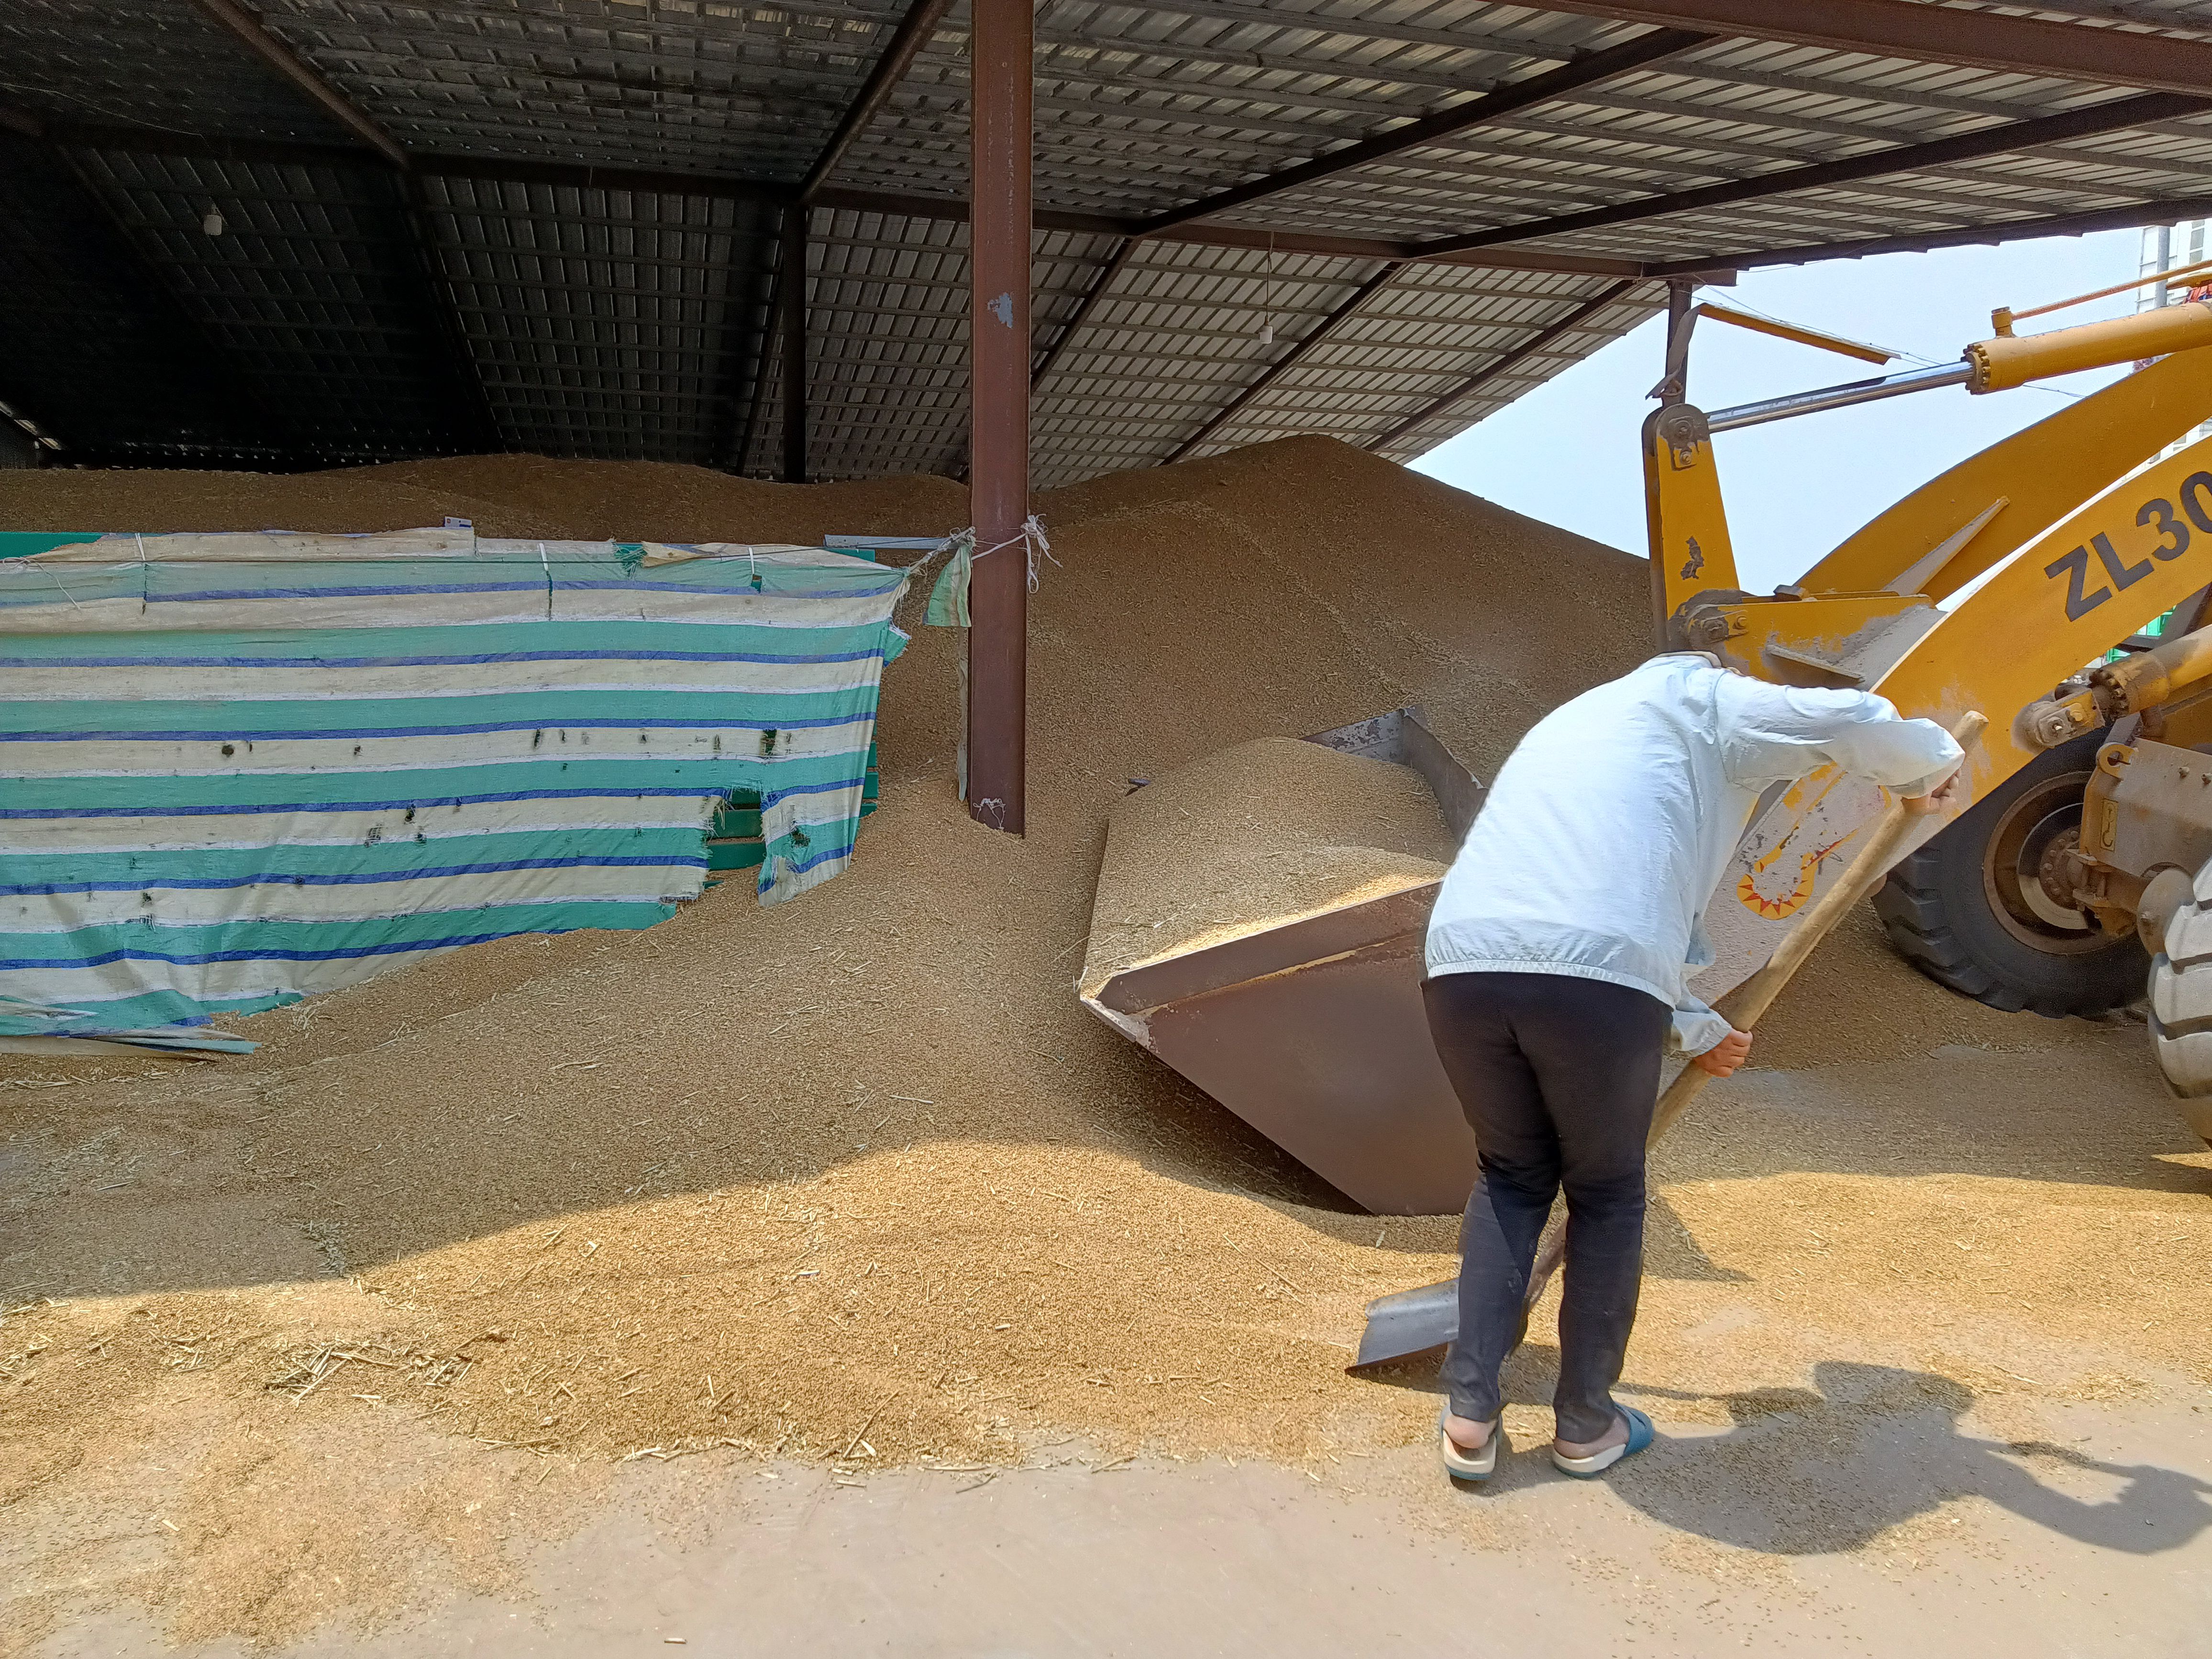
[1409, 1323]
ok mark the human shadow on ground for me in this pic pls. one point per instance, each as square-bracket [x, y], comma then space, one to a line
[1806, 1472]
[1828, 1469]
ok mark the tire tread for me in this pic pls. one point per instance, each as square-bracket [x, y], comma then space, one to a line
[1914, 912]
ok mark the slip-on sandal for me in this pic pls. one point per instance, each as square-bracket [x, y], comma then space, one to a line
[1469, 1465]
[1640, 1435]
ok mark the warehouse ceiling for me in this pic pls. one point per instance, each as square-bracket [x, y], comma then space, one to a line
[311, 232]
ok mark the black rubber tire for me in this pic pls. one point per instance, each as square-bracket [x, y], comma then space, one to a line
[1940, 915]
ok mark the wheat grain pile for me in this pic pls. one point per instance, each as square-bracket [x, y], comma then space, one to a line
[292, 1337]
[1258, 835]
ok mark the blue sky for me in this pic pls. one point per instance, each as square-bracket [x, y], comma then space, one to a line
[1567, 450]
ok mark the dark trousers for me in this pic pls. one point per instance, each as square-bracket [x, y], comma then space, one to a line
[1558, 1076]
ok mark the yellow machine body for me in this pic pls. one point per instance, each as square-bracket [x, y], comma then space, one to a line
[2070, 563]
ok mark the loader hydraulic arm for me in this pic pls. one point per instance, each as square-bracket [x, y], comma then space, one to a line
[2134, 683]
[1692, 557]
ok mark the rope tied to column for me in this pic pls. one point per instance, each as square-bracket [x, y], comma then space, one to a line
[948, 599]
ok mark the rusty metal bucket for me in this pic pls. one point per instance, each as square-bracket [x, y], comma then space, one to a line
[1311, 1030]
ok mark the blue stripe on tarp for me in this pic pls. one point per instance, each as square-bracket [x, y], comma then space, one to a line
[104, 1017]
[267, 878]
[768, 798]
[737, 590]
[740, 590]
[766, 658]
[227, 809]
[344, 953]
[354, 593]
[802, 866]
[339, 734]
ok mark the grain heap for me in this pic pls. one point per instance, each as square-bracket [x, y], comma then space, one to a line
[1258, 835]
[856, 1178]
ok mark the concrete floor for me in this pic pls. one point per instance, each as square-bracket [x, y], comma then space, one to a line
[2090, 1542]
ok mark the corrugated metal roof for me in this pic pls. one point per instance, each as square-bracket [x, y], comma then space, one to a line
[611, 323]
[523, 289]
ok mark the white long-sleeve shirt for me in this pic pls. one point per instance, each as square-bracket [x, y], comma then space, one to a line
[1608, 827]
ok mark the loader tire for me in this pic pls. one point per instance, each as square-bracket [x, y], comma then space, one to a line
[1967, 911]
[2181, 1006]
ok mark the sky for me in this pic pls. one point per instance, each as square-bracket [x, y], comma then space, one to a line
[1567, 452]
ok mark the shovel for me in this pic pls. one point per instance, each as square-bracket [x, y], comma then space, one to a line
[1412, 1321]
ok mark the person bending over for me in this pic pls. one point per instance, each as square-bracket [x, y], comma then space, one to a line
[1557, 955]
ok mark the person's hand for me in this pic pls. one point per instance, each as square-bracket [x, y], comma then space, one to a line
[1936, 801]
[1724, 1056]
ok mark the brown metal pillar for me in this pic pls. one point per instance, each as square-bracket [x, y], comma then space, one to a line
[791, 290]
[1674, 386]
[998, 418]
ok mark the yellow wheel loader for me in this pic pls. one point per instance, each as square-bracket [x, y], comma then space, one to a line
[2018, 585]
[2003, 585]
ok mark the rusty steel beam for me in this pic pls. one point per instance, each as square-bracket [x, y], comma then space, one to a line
[791, 296]
[999, 139]
[430, 290]
[1357, 247]
[1586, 71]
[724, 186]
[2114, 117]
[742, 351]
[1290, 359]
[148, 141]
[431, 297]
[1520, 354]
[102, 235]
[237, 21]
[95, 233]
[906, 41]
[15, 411]
[1099, 287]
[1923, 33]
[2170, 210]
[757, 406]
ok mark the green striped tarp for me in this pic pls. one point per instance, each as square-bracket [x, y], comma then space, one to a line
[237, 770]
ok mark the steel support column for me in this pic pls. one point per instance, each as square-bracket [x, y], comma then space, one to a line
[994, 753]
[791, 294]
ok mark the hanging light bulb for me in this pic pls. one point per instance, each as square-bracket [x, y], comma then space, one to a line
[1267, 332]
[212, 223]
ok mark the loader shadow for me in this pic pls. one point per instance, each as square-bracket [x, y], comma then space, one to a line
[1828, 1469]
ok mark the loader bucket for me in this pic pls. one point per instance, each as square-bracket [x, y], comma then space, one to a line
[1259, 925]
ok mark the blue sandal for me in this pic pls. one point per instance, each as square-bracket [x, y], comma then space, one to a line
[1465, 1465]
[1640, 1435]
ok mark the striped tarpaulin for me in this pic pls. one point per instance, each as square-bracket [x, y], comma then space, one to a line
[238, 771]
